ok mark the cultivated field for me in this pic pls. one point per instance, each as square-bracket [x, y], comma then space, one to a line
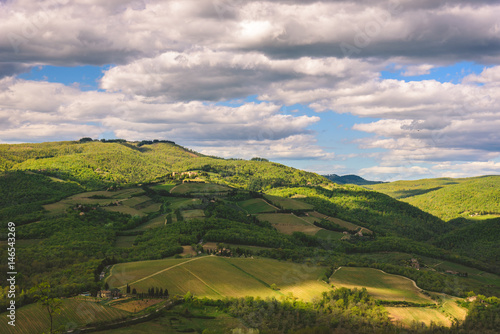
[125, 241]
[340, 222]
[164, 186]
[198, 187]
[288, 223]
[256, 205]
[216, 277]
[192, 214]
[34, 318]
[136, 305]
[288, 203]
[155, 222]
[379, 284]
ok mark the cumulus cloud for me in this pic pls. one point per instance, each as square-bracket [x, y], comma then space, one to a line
[42, 110]
[56, 32]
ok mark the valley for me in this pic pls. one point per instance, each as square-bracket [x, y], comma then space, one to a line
[224, 238]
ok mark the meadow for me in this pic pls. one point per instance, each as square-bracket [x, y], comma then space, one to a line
[217, 277]
[256, 205]
[288, 203]
[34, 318]
[379, 284]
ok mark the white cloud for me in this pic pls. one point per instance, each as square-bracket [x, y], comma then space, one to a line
[44, 111]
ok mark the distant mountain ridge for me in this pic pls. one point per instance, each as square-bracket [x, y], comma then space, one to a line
[350, 179]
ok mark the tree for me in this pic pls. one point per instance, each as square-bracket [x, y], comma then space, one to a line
[106, 286]
[128, 288]
[134, 291]
[42, 293]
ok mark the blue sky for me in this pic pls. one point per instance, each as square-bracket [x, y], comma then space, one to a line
[419, 97]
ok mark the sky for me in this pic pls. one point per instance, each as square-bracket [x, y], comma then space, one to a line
[388, 90]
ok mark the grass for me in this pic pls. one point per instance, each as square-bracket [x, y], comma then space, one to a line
[288, 203]
[136, 305]
[155, 222]
[34, 318]
[256, 205]
[288, 223]
[408, 315]
[329, 235]
[379, 284]
[449, 198]
[125, 209]
[193, 214]
[180, 202]
[198, 187]
[340, 222]
[125, 241]
[175, 322]
[164, 186]
[216, 277]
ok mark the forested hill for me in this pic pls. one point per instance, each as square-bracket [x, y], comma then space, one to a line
[350, 179]
[96, 164]
[447, 198]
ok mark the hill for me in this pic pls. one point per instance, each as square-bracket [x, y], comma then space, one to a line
[148, 213]
[449, 198]
[96, 164]
[350, 179]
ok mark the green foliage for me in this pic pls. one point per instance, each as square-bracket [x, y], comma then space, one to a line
[448, 198]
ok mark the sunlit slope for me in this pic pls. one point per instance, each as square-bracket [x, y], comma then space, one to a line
[217, 277]
[96, 164]
[448, 198]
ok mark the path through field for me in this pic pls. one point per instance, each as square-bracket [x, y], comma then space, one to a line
[158, 272]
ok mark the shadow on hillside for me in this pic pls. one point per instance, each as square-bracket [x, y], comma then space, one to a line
[414, 192]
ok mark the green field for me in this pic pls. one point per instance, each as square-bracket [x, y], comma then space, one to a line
[175, 321]
[198, 187]
[155, 222]
[180, 202]
[329, 235]
[288, 203]
[340, 222]
[125, 209]
[125, 241]
[34, 318]
[216, 277]
[164, 186]
[449, 198]
[192, 214]
[443, 315]
[288, 223]
[256, 205]
[379, 284]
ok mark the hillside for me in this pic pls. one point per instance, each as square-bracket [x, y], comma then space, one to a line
[449, 198]
[156, 215]
[96, 164]
[350, 179]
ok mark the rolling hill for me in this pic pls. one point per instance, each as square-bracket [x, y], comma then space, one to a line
[148, 214]
[449, 198]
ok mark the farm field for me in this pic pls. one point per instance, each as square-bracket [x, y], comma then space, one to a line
[126, 241]
[94, 197]
[33, 318]
[256, 205]
[343, 223]
[192, 214]
[125, 209]
[165, 186]
[329, 235]
[175, 322]
[216, 277]
[155, 222]
[198, 187]
[136, 305]
[288, 223]
[288, 203]
[180, 202]
[408, 315]
[379, 284]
